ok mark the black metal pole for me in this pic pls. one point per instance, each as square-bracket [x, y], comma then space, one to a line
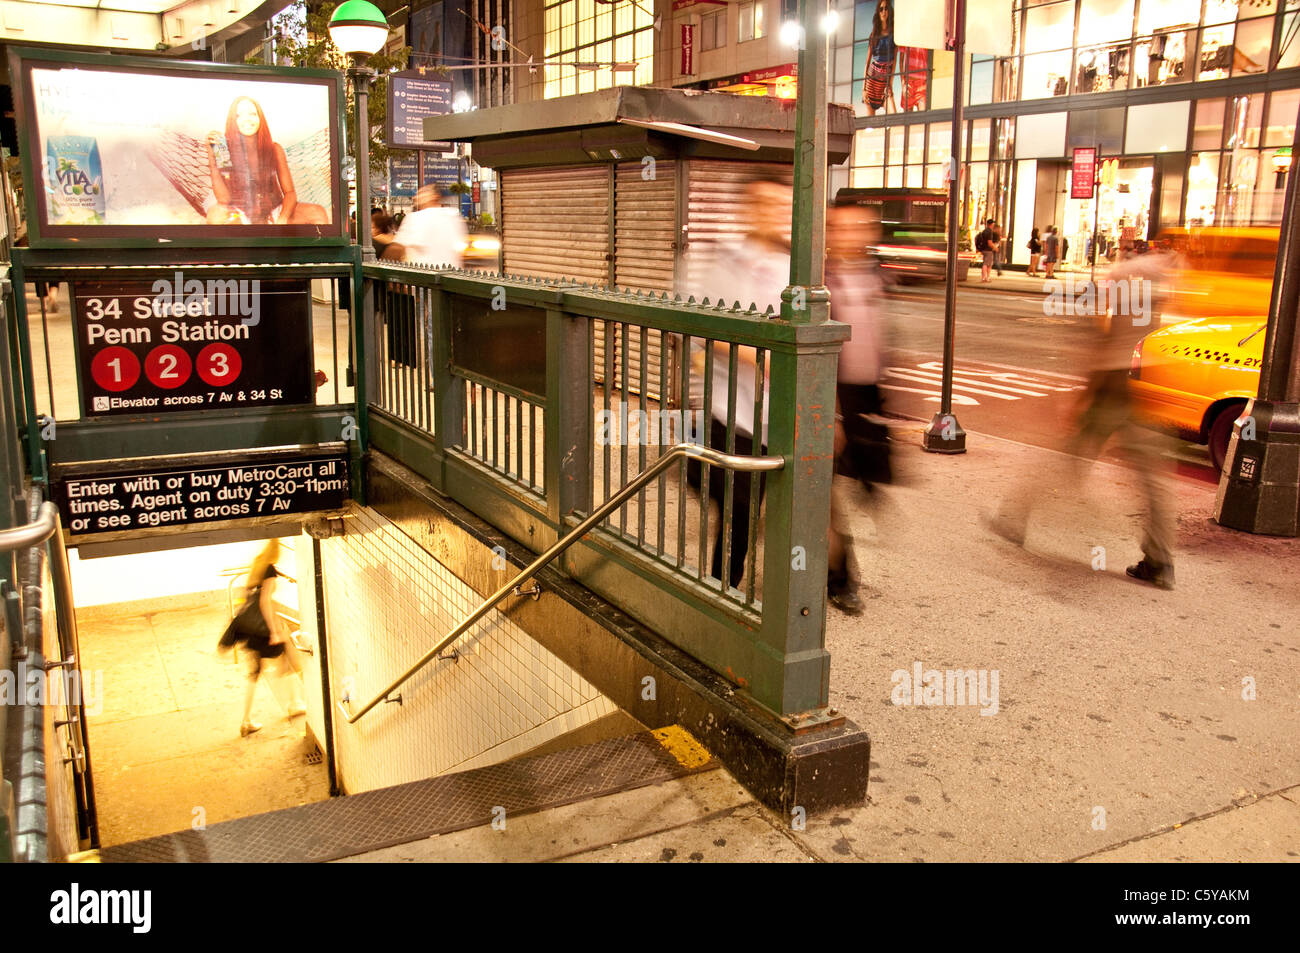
[322, 650]
[1259, 488]
[944, 434]
[361, 77]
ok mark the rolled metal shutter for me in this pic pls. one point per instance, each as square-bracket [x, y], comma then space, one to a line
[645, 253]
[555, 223]
[715, 214]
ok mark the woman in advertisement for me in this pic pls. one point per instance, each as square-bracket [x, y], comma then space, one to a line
[882, 60]
[259, 189]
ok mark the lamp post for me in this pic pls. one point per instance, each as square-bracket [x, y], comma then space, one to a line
[358, 28]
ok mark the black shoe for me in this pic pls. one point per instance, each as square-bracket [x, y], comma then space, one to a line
[1159, 575]
[843, 595]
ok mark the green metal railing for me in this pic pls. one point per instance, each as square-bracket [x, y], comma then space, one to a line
[491, 389]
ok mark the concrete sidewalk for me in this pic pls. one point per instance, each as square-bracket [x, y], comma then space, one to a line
[1020, 283]
[1125, 723]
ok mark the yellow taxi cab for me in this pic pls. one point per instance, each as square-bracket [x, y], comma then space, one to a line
[1222, 270]
[1193, 379]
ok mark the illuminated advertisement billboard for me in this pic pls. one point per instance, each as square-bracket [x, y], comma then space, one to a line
[130, 151]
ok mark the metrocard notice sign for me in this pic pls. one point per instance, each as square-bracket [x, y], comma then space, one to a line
[201, 489]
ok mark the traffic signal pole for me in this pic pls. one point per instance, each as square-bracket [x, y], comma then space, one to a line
[1259, 488]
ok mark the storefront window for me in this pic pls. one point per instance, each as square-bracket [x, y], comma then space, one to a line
[915, 145]
[869, 147]
[1162, 58]
[897, 139]
[979, 140]
[1221, 11]
[1244, 121]
[1158, 127]
[1254, 38]
[894, 177]
[873, 178]
[1216, 52]
[981, 82]
[913, 178]
[1156, 15]
[1202, 188]
[1288, 51]
[937, 154]
[1282, 108]
[1103, 128]
[1049, 27]
[1104, 21]
[1102, 69]
[1040, 136]
[941, 81]
[1046, 74]
[1207, 131]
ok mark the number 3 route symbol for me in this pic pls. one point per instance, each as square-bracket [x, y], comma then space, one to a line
[219, 365]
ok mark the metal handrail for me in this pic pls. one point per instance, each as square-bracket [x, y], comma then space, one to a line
[705, 454]
[33, 533]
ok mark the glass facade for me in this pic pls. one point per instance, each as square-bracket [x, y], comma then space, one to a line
[592, 36]
[1185, 159]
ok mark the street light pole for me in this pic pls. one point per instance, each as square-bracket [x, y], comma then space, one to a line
[944, 434]
[361, 77]
[1259, 488]
[806, 300]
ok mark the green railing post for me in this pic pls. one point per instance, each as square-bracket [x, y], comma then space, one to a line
[791, 665]
[449, 393]
[364, 367]
[569, 416]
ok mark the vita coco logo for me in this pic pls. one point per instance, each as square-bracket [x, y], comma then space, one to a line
[73, 181]
[1129, 298]
[933, 686]
[102, 907]
[31, 687]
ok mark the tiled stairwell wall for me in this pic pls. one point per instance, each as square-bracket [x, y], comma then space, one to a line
[387, 603]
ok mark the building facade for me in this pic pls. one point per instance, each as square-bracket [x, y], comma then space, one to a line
[1191, 105]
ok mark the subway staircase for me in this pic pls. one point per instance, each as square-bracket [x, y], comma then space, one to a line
[349, 826]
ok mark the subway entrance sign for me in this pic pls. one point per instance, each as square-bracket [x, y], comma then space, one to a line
[187, 342]
[201, 489]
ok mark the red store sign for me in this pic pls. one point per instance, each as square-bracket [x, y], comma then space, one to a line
[688, 49]
[1084, 173]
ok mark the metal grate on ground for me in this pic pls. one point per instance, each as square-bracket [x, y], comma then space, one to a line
[347, 826]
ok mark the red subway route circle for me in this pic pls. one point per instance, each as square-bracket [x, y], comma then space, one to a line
[115, 369]
[168, 366]
[219, 365]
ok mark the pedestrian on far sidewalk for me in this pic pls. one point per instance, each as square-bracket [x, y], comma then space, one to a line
[986, 243]
[1051, 248]
[997, 251]
[1035, 247]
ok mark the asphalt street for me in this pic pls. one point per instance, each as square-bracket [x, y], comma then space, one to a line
[1018, 374]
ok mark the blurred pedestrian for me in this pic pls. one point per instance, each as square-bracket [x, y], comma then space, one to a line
[262, 633]
[1035, 247]
[1108, 411]
[434, 234]
[861, 444]
[756, 270]
[383, 233]
[998, 250]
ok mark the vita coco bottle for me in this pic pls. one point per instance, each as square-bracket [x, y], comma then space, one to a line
[74, 181]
